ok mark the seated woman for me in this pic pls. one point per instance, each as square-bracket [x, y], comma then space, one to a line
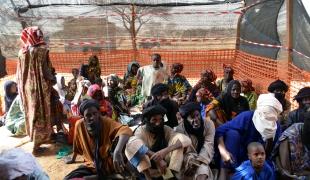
[10, 89]
[298, 115]
[260, 126]
[155, 149]
[61, 89]
[292, 152]
[71, 91]
[93, 70]
[179, 87]
[131, 87]
[249, 93]
[201, 132]
[228, 105]
[207, 82]
[116, 97]
[96, 93]
[80, 95]
[203, 98]
[228, 76]
[15, 118]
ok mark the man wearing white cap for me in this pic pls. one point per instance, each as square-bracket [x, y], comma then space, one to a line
[261, 126]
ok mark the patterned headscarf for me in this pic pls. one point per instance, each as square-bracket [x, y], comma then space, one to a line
[178, 67]
[204, 92]
[247, 84]
[209, 74]
[31, 36]
[93, 89]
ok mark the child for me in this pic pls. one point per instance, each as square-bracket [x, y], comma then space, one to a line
[256, 167]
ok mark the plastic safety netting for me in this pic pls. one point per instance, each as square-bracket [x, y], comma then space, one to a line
[251, 35]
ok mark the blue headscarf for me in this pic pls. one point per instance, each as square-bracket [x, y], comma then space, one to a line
[9, 97]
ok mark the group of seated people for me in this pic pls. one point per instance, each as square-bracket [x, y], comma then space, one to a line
[217, 129]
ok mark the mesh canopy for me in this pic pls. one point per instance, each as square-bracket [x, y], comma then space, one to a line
[259, 24]
[301, 36]
[97, 25]
[265, 23]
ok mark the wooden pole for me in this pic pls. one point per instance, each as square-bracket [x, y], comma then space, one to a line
[133, 30]
[289, 45]
[289, 29]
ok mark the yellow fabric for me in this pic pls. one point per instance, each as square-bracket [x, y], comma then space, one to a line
[84, 145]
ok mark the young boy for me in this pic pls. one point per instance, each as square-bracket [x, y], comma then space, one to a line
[256, 167]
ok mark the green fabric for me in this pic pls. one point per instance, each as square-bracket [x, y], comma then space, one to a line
[252, 99]
[15, 118]
[63, 151]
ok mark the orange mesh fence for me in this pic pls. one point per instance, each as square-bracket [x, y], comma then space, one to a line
[262, 71]
[194, 61]
[11, 65]
[117, 61]
[299, 79]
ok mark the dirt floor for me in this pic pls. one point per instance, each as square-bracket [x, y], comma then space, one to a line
[55, 168]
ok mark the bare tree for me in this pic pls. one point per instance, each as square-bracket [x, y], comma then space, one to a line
[134, 17]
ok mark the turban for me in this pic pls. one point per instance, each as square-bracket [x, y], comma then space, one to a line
[188, 108]
[158, 89]
[147, 113]
[266, 115]
[269, 100]
[302, 93]
[278, 84]
[93, 89]
[87, 104]
[178, 67]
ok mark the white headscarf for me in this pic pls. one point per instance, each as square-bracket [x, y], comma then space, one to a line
[81, 83]
[266, 115]
[15, 163]
[59, 88]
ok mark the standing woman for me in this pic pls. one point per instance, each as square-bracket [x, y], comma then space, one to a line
[35, 79]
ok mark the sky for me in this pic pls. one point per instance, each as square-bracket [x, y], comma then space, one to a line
[307, 5]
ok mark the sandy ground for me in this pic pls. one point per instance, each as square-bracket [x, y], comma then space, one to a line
[55, 168]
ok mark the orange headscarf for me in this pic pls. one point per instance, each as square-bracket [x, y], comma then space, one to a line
[31, 36]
